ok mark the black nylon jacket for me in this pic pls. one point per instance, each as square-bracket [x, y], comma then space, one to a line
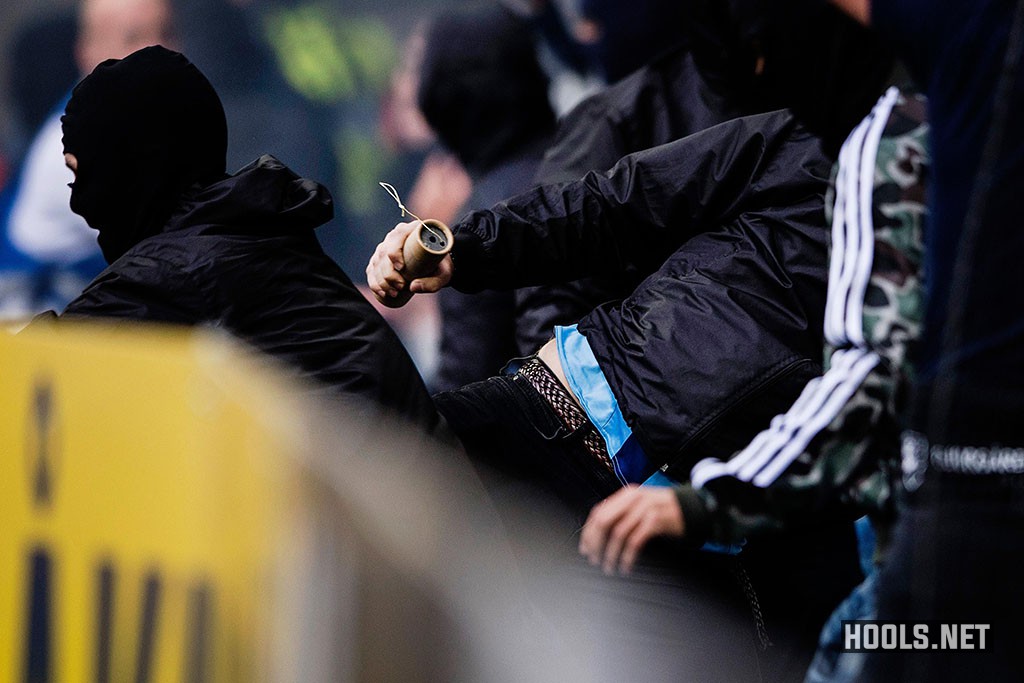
[726, 330]
[241, 254]
[665, 100]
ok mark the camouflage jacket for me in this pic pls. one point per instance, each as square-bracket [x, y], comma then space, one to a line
[836, 451]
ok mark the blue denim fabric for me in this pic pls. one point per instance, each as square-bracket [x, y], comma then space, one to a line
[831, 664]
[866, 542]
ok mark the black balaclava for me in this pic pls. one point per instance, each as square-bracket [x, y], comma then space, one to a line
[143, 129]
[481, 87]
[813, 59]
[633, 33]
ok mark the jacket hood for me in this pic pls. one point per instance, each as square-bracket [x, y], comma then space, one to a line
[802, 55]
[481, 88]
[631, 34]
[265, 197]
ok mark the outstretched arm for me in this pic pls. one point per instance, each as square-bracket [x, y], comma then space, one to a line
[642, 210]
[632, 216]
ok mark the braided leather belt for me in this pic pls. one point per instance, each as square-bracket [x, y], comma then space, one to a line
[540, 377]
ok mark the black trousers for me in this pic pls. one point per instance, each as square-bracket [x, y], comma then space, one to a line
[787, 585]
[506, 425]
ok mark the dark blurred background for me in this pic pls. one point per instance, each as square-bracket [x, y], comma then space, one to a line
[302, 79]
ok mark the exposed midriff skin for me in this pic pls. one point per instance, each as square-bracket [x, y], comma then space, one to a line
[548, 354]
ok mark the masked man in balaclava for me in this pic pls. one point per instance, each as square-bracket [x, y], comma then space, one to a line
[188, 244]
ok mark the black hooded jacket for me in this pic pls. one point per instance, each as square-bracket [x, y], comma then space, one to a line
[727, 330]
[241, 254]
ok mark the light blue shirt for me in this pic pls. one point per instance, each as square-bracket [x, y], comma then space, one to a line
[588, 382]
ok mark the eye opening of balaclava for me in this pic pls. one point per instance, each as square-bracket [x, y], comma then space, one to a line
[798, 54]
[143, 129]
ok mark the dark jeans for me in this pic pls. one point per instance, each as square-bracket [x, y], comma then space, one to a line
[506, 425]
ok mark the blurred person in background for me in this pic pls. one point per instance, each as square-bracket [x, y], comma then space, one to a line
[585, 45]
[224, 39]
[620, 37]
[41, 68]
[485, 96]
[146, 139]
[440, 186]
[51, 254]
[569, 68]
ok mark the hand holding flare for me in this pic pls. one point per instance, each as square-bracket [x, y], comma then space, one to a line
[413, 257]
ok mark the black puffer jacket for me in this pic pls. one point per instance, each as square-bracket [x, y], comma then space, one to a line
[727, 329]
[241, 254]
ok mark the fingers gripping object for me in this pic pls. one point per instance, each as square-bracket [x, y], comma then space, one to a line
[423, 250]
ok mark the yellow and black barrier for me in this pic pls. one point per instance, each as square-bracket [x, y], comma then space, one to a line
[175, 508]
[147, 511]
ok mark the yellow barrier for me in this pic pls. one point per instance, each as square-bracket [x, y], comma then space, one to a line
[148, 514]
[173, 509]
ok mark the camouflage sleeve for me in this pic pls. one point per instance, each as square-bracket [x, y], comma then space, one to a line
[835, 452]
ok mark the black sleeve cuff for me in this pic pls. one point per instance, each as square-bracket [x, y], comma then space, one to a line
[468, 257]
[696, 521]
